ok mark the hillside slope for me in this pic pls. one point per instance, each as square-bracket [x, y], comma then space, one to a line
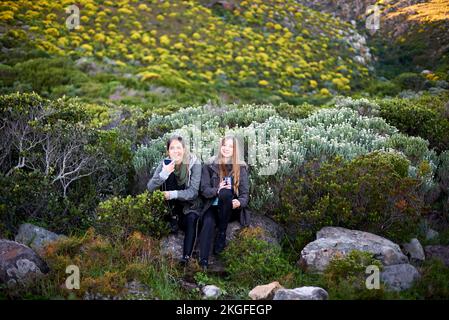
[417, 27]
[241, 48]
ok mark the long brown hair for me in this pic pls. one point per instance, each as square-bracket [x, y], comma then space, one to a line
[186, 151]
[235, 162]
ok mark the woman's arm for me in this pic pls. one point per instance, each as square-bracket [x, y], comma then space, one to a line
[207, 190]
[158, 179]
[243, 197]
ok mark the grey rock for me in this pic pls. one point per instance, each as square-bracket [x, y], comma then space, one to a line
[274, 233]
[173, 244]
[432, 234]
[19, 264]
[160, 90]
[211, 292]
[399, 277]
[442, 84]
[336, 241]
[438, 252]
[437, 90]
[265, 292]
[302, 293]
[88, 65]
[135, 290]
[36, 237]
[414, 251]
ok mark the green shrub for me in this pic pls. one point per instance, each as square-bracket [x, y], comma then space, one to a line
[371, 193]
[118, 217]
[422, 117]
[41, 75]
[433, 283]
[383, 88]
[345, 277]
[252, 261]
[410, 80]
[54, 165]
[295, 112]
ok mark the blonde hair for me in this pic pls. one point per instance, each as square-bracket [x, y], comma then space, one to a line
[235, 162]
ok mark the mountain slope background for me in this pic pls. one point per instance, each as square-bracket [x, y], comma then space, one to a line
[245, 50]
[412, 34]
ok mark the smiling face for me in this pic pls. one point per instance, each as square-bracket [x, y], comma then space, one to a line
[227, 149]
[176, 151]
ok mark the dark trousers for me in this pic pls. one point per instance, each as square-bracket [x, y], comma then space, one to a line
[219, 216]
[188, 222]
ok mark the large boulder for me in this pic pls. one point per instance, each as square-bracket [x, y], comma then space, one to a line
[303, 293]
[432, 234]
[19, 264]
[173, 244]
[414, 251]
[36, 237]
[265, 292]
[338, 242]
[438, 252]
[399, 277]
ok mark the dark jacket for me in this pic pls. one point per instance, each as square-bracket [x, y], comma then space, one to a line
[210, 180]
[192, 202]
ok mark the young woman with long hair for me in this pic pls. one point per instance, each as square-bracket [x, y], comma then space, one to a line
[225, 187]
[178, 176]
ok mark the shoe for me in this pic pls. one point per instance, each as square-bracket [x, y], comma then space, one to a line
[220, 243]
[184, 260]
[174, 226]
[204, 264]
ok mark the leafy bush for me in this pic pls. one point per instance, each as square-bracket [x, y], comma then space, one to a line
[432, 284]
[410, 80]
[252, 261]
[55, 166]
[117, 218]
[345, 277]
[423, 117]
[383, 88]
[42, 75]
[371, 193]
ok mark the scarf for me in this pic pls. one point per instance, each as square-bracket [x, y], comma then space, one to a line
[181, 174]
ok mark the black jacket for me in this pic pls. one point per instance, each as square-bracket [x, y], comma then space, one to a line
[210, 180]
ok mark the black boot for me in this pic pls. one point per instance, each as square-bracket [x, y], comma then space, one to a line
[204, 264]
[220, 242]
[184, 260]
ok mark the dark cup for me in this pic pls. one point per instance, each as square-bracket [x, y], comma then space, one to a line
[167, 161]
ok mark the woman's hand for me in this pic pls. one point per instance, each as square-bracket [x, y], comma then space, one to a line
[235, 203]
[166, 195]
[223, 185]
[168, 168]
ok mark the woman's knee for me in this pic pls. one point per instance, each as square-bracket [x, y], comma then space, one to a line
[225, 195]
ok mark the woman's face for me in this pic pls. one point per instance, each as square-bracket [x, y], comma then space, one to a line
[176, 151]
[227, 149]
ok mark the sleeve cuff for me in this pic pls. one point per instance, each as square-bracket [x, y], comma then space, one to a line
[173, 194]
[164, 175]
